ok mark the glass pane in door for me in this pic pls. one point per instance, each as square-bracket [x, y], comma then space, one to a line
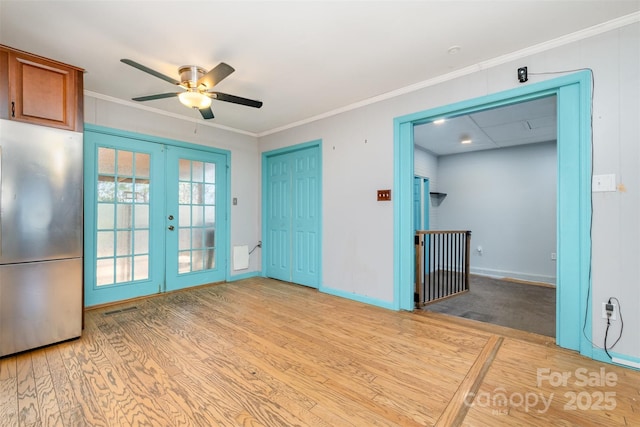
[196, 215]
[122, 216]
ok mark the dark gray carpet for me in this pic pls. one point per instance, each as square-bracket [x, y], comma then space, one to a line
[520, 306]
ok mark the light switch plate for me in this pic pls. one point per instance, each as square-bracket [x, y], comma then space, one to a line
[603, 183]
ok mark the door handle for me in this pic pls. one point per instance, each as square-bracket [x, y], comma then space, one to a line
[171, 227]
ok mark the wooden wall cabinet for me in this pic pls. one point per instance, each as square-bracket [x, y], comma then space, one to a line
[40, 91]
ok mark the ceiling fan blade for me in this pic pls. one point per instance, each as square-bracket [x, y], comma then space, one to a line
[150, 71]
[157, 96]
[207, 113]
[216, 75]
[235, 99]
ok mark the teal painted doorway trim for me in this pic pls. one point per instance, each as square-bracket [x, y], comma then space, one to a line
[573, 93]
[265, 203]
[89, 201]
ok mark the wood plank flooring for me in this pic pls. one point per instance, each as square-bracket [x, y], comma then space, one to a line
[260, 352]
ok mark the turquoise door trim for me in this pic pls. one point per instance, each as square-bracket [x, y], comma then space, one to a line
[314, 279]
[90, 213]
[573, 93]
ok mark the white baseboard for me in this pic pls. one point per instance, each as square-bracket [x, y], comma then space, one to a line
[501, 274]
[625, 362]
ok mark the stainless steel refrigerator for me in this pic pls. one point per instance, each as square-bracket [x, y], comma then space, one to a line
[41, 236]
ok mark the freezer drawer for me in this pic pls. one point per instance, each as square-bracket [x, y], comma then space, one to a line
[40, 304]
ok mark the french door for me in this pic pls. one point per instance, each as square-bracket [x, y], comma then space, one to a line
[195, 211]
[155, 217]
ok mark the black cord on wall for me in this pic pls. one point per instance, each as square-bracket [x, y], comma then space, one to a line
[259, 245]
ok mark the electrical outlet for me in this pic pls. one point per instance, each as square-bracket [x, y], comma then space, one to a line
[614, 315]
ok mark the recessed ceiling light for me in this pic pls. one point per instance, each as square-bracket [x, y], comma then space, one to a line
[454, 49]
[438, 121]
[465, 141]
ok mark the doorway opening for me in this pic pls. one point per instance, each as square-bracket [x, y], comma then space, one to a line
[495, 174]
[573, 281]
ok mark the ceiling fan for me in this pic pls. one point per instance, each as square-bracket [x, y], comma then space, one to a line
[197, 84]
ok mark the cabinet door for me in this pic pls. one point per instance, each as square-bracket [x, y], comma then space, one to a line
[44, 92]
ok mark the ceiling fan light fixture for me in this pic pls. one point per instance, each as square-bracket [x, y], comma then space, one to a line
[194, 99]
[196, 82]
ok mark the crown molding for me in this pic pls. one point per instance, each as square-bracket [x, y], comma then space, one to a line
[166, 113]
[503, 59]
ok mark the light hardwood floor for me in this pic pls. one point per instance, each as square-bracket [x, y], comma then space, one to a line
[262, 352]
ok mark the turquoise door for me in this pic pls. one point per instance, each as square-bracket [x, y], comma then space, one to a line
[426, 202]
[421, 201]
[195, 210]
[417, 210]
[155, 217]
[278, 242]
[124, 256]
[305, 217]
[293, 216]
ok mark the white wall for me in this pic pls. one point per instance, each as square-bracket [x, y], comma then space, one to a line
[507, 198]
[245, 160]
[358, 159]
[358, 231]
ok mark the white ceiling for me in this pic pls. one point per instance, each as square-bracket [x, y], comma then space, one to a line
[303, 59]
[524, 123]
